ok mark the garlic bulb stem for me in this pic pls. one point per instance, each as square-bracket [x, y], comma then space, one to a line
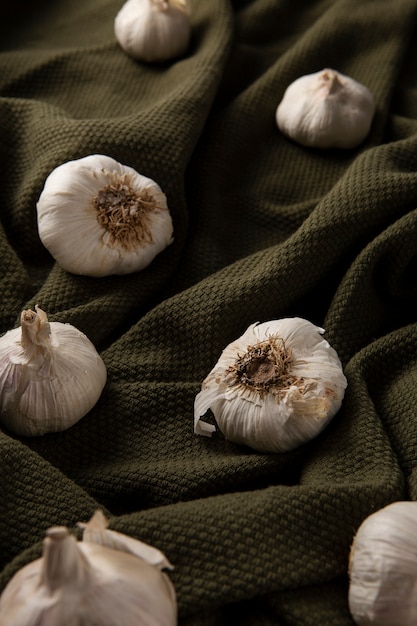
[35, 330]
[60, 548]
[332, 81]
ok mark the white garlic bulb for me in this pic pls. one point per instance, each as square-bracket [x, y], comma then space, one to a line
[153, 30]
[78, 583]
[274, 388]
[383, 567]
[326, 109]
[50, 375]
[98, 217]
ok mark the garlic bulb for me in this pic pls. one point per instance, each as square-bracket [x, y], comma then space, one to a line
[326, 109]
[50, 375]
[79, 583]
[383, 567]
[153, 30]
[98, 217]
[274, 388]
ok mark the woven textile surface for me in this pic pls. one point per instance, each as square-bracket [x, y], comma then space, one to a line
[263, 229]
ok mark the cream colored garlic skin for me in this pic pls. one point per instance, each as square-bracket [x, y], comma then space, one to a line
[383, 567]
[274, 388]
[98, 217]
[153, 30]
[96, 531]
[50, 375]
[326, 109]
[79, 583]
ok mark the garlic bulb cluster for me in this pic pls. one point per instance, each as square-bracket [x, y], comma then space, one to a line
[326, 109]
[98, 217]
[50, 375]
[153, 30]
[383, 567]
[274, 388]
[75, 583]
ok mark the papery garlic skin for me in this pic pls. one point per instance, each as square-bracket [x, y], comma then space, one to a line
[326, 109]
[383, 567]
[98, 217]
[274, 388]
[76, 583]
[50, 375]
[96, 531]
[153, 30]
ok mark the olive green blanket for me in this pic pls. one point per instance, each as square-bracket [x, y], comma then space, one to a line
[264, 228]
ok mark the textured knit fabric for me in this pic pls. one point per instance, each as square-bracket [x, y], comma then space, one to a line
[263, 228]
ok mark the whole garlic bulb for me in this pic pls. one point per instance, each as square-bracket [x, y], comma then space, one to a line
[153, 30]
[274, 388]
[50, 375]
[98, 217]
[78, 583]
[383, 567]
[326, 109]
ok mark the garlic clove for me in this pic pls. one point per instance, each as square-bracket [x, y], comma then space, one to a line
[274, 388]
[383, 567]
[50, 375]
[96, 531]
[98, 217]
[326, 109]
[85, 583]
[153, 30]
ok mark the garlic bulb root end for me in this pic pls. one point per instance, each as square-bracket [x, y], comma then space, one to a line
[274, 388]
[98, 217]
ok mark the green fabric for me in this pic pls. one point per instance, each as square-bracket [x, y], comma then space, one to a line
[264, 229]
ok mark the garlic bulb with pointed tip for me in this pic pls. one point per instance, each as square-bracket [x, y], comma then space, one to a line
[326, 109]
[383, 567]
[274, 388]
[50, 375]
[153, 30]
[79, 583]
[98, 217]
